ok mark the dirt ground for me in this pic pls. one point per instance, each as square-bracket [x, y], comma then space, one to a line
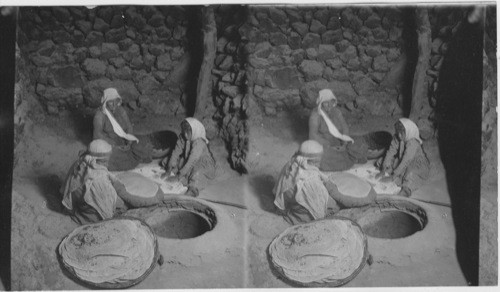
[38, 224]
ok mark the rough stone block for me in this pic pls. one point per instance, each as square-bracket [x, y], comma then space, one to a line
[100, 25]
[157, 49]
[65, 77]
[278, 38]
[46, 48]
[268, 25]
[78, 13]
[179, 72]
[156, 20]
[349, 53]
[332, 37]
[373, 21]
[334, 23]
[294, 41]
[336, 63]
[364, 13]
[61, 36]
[106, 13]
[311, 53]
[132, 52]
[353, 64]
[365, 62]
[373, 51]
[311, 40]
[124, 73]
[94, 38]
[177, 53]
[149, 61]
[115, 35]
[109, 50]
[286, 78]
[81, 54]
[231, 91]
[117, 21]
[341, 74]
[137, 63]
[317, 27]
[227, 63]
[94, 68]
[322, 15]
[163, 62]
[392, 54]
[259, 63]
[84, 26]
[326, 52]
[380, 34]
[381, 64]
[364, 85]
[293, 15]
[95, 52]
[328, 74]
[147, 83]
[301, 28]
[395, 33]
[312, 70]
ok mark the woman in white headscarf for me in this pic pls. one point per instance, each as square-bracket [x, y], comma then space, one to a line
[300, 192]
[112, 124]
[406, 162]
[90, 192]
[191, 162]
[328, 126]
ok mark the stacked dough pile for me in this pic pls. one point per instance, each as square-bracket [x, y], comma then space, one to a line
[109, 252]
[320, 252]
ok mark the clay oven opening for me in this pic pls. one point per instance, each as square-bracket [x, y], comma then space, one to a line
[390, 219]
[178, 219]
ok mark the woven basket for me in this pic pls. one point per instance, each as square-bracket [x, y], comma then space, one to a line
[106, 285]
[323, 253]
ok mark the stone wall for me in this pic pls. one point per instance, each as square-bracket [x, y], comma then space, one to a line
[488, 244]
[231, 98]
[76, 52]
[295, 51]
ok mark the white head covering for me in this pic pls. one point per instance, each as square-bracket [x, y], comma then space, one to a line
[311, 148]
[112, 94]
[99, 148]
[411, 130]
[197, 129]
[324, 96]
[305, 180]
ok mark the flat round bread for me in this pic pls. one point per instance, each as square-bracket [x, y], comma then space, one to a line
[325, 252]
[138, 185]
[350, 185]
[113, 253]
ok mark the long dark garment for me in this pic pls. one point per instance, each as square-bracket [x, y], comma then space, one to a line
[368, 146]
[142, 152]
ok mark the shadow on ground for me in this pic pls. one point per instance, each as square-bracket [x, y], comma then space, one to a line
[50, 185]
[262, 187]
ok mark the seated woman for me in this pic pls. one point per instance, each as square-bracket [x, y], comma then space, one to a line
[112, 124]
[328, 126]
[301, 193]
[91, 193]
[405, 162]
[191, 162]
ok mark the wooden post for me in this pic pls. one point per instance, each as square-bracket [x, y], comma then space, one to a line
[419, 90]
[204, 88]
